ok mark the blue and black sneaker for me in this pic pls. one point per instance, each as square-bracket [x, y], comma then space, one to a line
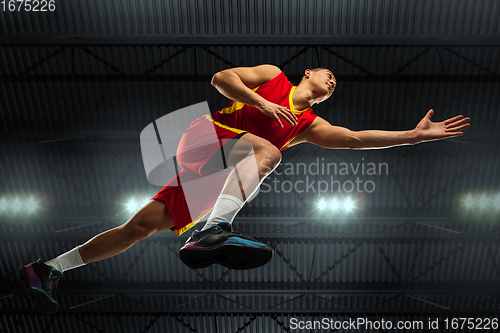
[221, 245]
[40, 281]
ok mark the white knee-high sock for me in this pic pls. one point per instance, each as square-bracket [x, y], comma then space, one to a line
[66, 261]
[225, 209]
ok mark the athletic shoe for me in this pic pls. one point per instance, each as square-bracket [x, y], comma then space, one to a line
[40, 281]
[221, 245]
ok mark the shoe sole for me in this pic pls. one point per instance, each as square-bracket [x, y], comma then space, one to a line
[234, 256]
[38, 296]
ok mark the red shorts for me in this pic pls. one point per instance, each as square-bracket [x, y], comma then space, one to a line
[193, 192]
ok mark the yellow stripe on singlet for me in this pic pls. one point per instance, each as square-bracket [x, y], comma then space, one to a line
[288, 142]
[290, 101]
[232, 129]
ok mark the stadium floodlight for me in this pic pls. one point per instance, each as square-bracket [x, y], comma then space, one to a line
[322, 204]
[16, 204]
[3, 204]
[334, 204]
[468, 201]
[483, 201]
[348, 204]
[131, 205]
[496, 201]
[30, 205]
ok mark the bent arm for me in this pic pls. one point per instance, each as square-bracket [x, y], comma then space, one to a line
[237, 83]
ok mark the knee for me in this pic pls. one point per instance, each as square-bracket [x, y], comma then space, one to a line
[270, 157]
[137, 230]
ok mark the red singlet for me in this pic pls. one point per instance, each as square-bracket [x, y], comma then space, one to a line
[250, 119]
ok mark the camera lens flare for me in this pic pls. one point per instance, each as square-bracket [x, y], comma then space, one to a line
[483, 202]
[468, 201]
[16, 205]
[334, 204]
[30, 205]
[348, 204]
[3, 204]
[131, 205]
[321, 204]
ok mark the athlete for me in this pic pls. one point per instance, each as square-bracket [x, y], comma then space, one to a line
[267, 115]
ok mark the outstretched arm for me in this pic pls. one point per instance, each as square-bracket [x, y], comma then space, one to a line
[237, 84]
[325, 135]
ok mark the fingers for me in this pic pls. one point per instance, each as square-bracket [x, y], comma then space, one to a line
[288, 115]
[275, 116]
[429, 114]
[453, 134]
[277, 112]
[451, 120]
[457, 128]
[454, 129]
[457, 123]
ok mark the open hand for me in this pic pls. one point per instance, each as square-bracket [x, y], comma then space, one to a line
[275, 111]
[426, 130]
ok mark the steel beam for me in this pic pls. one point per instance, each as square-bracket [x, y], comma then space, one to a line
[258, 312]
[198, 288]
[206, 78]
[277, 237]
[479, 40]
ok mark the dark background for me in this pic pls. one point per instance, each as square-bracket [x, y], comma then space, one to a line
[78, 85]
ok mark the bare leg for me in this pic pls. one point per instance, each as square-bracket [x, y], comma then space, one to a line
[250, 169]
[151, 218]
[154, 216]
[40, 279]
[252, 158]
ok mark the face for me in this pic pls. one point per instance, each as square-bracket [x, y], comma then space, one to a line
[323, 82]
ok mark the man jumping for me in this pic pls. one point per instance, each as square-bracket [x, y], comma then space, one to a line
[267, 115]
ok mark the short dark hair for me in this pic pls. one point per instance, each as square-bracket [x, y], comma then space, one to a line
[316, 69]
